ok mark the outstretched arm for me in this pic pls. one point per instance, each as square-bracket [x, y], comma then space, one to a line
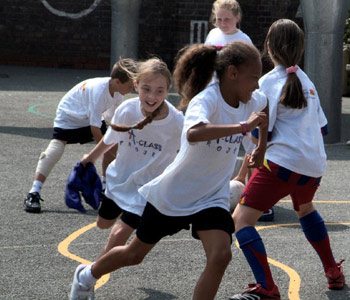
[206, 131]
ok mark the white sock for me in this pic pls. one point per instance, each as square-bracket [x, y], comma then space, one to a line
[36, 187]
[86, 278]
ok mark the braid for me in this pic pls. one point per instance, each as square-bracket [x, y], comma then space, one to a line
[140, 124]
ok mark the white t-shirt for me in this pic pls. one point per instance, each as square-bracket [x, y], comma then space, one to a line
[200, 174]
[84, 104]
[296, 140]
[217, 37]
[142, 154]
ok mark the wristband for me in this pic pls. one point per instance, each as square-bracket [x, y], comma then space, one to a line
[244, 127]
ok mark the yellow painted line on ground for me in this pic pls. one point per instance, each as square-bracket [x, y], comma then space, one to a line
[323, 201]
[294, 282]
[63, 249]
[294, 278]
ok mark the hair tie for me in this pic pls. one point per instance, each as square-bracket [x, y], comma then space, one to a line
[218, 47]
[292, 69]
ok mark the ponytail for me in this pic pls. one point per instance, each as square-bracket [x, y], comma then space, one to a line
[292, 93]
[140, 124]
[285, 45]
[193, 71]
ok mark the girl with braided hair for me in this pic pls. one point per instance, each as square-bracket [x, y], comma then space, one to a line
[148, 140]
[194, 188]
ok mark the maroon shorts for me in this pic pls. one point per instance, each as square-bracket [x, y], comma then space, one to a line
[271, 182]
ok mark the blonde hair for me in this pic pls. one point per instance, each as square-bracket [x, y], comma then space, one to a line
[146, 69]
[231, 5]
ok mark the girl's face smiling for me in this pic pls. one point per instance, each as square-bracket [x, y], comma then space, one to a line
[152, 92]
[226, 21]
[238, 83]
[247, 79]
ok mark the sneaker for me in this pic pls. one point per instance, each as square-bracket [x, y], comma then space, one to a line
[267, 216]
[32, 202]
[335, 277]
[257, 292]
[78, 290]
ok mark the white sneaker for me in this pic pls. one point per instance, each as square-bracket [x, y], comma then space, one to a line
[79, 291]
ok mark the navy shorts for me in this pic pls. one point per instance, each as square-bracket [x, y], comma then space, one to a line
[109, 210]
[81, 135]
[154, 225]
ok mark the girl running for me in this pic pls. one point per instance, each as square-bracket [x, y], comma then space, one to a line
[143, 151]
[294, 162]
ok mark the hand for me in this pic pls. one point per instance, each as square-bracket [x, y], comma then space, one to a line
[256, 159]
[85, 160]
[257, 119]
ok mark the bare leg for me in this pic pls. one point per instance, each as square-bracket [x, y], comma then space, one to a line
[119, 235]
[121, 256]
[103, 223]
[245, 216]
[305, 209]
[217, 247]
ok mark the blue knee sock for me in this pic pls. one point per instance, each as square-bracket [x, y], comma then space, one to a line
[254, 251]
[317, 235]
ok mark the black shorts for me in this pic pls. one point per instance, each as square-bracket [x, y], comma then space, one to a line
[81, 135]
[109, 210]
[154, 225]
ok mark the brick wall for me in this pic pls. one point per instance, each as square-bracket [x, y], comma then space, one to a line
[30, 34]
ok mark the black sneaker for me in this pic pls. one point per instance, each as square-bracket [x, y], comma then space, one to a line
[32, 203]
[267, 216]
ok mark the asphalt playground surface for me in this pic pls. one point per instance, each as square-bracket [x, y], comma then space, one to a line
[39, 252]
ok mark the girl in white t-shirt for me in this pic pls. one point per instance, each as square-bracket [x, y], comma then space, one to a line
[79, 119]
[226, 15]
[295, 160]
[194, 188]
[142, 154]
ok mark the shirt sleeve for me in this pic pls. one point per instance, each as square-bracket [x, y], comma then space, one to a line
[197, 112]
[321, 116]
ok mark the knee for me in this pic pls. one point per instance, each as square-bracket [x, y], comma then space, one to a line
[104, 224]
[305, 209]
[221, 258]
[50, 157]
